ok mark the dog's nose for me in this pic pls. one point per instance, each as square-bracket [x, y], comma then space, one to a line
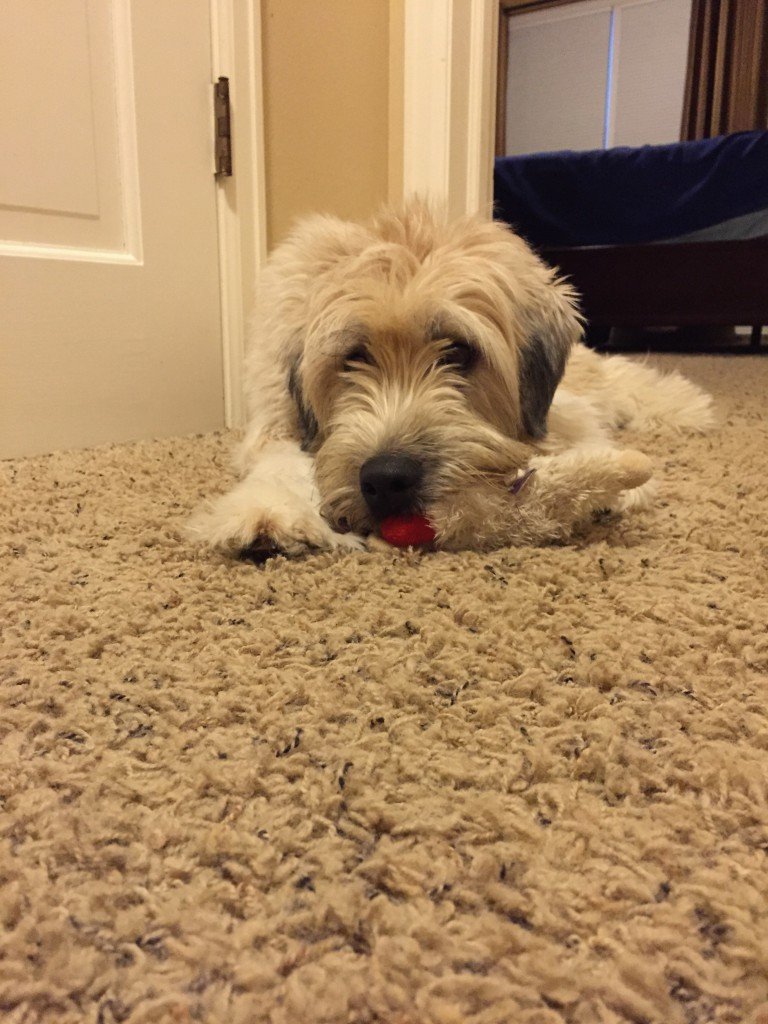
[389, 483]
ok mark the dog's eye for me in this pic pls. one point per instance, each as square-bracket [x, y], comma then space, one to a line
[459, 355]
[358, 355]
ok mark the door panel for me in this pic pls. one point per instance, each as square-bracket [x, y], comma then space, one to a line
[109, 260]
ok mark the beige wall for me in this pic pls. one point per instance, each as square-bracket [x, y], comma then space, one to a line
[326, 107]
[396, 97]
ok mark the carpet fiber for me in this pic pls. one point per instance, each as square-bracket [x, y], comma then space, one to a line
[529, 787]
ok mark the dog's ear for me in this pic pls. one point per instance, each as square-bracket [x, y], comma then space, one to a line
[542, 364]
[306, 417]
[544, 356]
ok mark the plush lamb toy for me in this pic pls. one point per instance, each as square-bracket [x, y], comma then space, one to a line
[548, 501]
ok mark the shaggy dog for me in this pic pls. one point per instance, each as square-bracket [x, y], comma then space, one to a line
[415, 365]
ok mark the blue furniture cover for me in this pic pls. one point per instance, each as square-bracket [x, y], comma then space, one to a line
[627, 195]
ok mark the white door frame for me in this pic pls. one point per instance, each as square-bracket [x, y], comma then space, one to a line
[449, 103]
[241, 199]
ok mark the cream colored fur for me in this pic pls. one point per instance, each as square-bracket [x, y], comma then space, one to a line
[402, 289]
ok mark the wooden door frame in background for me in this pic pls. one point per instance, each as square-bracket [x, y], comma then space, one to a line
[507, 9]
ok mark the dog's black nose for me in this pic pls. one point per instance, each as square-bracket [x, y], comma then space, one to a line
[390, 483]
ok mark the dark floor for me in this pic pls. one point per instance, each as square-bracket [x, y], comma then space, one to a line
[705, 340]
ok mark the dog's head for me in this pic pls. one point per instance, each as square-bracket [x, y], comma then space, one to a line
[426, 357]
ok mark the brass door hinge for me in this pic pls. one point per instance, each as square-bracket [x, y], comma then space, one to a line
[222, 128]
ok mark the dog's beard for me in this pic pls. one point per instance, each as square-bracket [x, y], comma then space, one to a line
[468, 464]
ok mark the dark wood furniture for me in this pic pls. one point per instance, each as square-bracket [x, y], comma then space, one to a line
[672, 285]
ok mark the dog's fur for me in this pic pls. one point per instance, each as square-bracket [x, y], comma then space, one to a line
[351, 357]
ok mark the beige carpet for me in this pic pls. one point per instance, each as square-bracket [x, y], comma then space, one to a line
[524, 788]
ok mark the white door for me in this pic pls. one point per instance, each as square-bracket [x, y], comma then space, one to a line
[110, 325]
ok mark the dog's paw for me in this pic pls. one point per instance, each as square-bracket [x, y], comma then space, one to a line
[236, 527]
[275, 532]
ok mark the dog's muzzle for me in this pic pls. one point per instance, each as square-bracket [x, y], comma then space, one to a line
[390, 484]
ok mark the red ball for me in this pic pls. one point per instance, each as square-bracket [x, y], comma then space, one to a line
[407, 531]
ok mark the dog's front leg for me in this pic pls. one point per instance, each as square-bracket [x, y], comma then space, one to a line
[274, 508]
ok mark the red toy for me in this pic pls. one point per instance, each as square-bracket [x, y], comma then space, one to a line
[407, 531]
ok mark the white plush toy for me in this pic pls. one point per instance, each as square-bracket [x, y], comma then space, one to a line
[559, 493]
[546, 502]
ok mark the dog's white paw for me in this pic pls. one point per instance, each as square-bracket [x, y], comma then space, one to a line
[234, 525]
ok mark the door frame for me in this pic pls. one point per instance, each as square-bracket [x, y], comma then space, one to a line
[450, 50]
[236, 53]
[507, 10]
